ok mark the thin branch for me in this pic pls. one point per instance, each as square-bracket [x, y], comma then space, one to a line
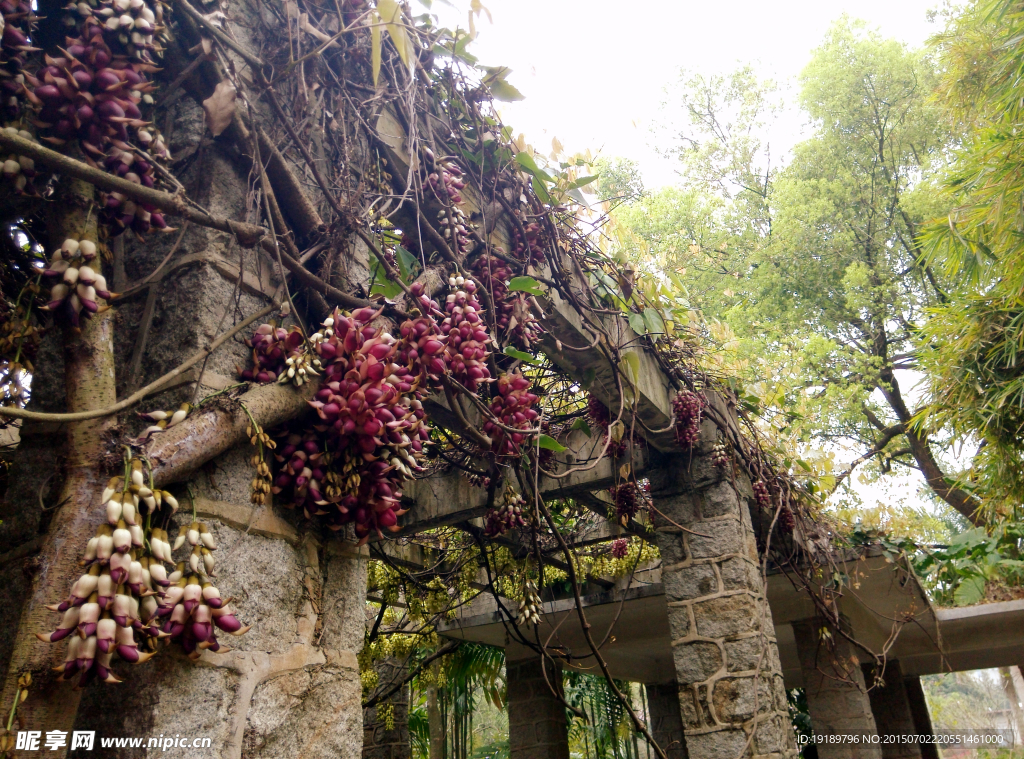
[248, 235]
[131, 400]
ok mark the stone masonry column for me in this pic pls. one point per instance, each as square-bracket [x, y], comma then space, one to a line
[920, 714]
[386, 736]
[537, 725]
[836, 696]
[723, 639]
[666, 721]
[289, 687]
[891, 709]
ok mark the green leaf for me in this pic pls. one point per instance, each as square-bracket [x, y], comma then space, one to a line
[630, 365]
[550, 444]
[541, 190]
[505, 92]
[391, 13]
[636, 321]
[527, 161]
[578, 197]
[581, 424]
[655, 324]
[584, 181]
[381, 285]
[526, 285]
[970, 591]
[521, 355]
[408, 264]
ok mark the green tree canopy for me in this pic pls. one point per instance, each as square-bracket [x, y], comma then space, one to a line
[816, 266]
[972, 346]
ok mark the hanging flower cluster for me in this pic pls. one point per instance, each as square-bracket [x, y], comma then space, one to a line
[92, 91]
[513, 406]
[466, 336]
[599, 416]
[192, 607]
[530, 248]
[19, 169]
[280, 355]
[761, 494]
[79, 286]
[720, 454]
[422, 345]
[116, 607]
[620, 547]
[529, 609]
[303, 461]
[512, 312]
[15, 46]
[628, 499]
[507, 516]
[686, 406]
[372, 416]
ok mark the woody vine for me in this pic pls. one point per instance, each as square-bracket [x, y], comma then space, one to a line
[472, 243]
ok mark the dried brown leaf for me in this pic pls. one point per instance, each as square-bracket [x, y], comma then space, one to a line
[220, 107]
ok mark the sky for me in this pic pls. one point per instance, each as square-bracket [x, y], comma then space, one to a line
[594, 73]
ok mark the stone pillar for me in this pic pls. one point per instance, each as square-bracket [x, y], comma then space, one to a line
[891, 709]
[836, 694]
[290, 687]
[665, 719]
[920, 714]
[386, 726]
[725, 652]
[537, 724]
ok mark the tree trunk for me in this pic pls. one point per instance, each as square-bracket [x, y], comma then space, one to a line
[436, 724]
[89, 384]
[959, 499]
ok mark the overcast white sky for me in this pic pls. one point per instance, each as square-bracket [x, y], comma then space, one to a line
[594, 72]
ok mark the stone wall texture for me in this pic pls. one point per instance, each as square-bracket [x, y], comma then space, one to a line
[836, 696]
[380, 742]
[731, 693]
[537, 724]
[891, 709]
[290, 687]
[666, 721]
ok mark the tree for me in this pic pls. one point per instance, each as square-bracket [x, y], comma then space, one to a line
[827, 286]
[970, 347]
[619, 180]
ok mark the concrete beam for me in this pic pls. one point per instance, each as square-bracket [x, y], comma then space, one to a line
[446, 499]
[565, 327]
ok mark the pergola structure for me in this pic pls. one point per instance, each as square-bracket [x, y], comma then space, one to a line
[716, 645]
